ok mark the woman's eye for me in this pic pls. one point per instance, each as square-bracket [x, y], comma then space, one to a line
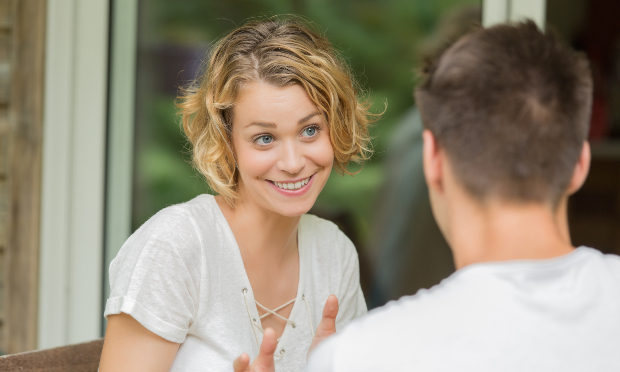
[264, 140]
[309, 132]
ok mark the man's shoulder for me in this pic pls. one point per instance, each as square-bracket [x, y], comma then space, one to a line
[388, 333]
[414, 311]
[491, 306]
[482, 288]
[607, 259]
[602, 268]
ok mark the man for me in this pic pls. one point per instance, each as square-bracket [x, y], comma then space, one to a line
[506, 113]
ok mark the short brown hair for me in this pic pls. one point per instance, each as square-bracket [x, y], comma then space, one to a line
[281, 50]
[511, 107]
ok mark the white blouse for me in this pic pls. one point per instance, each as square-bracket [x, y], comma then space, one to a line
[182, 277]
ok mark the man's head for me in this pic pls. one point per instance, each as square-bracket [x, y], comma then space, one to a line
[509, 106]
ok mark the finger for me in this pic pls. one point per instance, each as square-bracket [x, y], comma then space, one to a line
[242, 363]
[327, 326]
[267, 348]
[330, 310]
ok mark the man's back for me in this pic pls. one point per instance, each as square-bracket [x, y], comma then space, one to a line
[560, 314]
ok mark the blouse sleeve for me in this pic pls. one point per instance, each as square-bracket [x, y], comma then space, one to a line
[351, 299]
[155, 277]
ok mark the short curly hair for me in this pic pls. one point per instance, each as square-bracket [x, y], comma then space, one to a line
[281, 51]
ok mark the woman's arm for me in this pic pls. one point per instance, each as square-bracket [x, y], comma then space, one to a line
[128, 346]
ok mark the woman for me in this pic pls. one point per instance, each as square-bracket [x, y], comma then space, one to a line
[198, 283]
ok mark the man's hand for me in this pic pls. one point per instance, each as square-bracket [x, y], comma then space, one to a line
[264, 361]
[327, 326]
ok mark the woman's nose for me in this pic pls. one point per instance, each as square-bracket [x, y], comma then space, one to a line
[291, 158]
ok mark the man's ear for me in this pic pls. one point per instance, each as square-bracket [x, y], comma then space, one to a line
[580, 173]
[433, 162]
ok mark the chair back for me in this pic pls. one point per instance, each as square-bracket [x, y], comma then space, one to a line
[82, 357]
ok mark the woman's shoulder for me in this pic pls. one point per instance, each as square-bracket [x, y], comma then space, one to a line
[326, 236]
[323, 227]
[180, 217]
[200, 205]
[181, 226]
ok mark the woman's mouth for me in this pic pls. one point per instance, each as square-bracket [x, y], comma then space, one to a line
[292, 185]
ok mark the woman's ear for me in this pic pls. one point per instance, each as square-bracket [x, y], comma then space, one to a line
[433, 162]
[580, 173]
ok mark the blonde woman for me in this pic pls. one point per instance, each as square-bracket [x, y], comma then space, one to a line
[201, 282]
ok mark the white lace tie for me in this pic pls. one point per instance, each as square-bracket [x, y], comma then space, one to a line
[256, 324]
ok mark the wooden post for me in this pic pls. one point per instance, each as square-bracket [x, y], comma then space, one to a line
[24, 65]
[5, 55]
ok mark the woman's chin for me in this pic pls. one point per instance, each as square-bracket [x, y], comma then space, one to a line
[294, 209]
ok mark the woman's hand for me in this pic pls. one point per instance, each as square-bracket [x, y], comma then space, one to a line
[264, 362]
[327, 327]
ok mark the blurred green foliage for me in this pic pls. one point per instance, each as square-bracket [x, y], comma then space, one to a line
[380, 39]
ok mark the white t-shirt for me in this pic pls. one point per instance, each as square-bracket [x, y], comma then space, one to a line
[560, 314]
[182, 277]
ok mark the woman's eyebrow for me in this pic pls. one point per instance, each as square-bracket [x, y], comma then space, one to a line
[273, 125]
[264, 125]
[301, 121]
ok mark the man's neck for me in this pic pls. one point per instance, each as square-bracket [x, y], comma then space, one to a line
[499, 231]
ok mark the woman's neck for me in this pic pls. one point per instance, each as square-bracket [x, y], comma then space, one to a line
[262, 235]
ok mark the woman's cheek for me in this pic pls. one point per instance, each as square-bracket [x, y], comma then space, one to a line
[255, 162]
[323, 153]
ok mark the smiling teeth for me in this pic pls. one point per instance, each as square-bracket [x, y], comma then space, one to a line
[292, 185]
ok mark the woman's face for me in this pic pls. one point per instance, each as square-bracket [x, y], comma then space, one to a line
[282, 147]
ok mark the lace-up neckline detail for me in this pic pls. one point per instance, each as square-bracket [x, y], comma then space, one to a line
[273, 312]
[256, 325]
